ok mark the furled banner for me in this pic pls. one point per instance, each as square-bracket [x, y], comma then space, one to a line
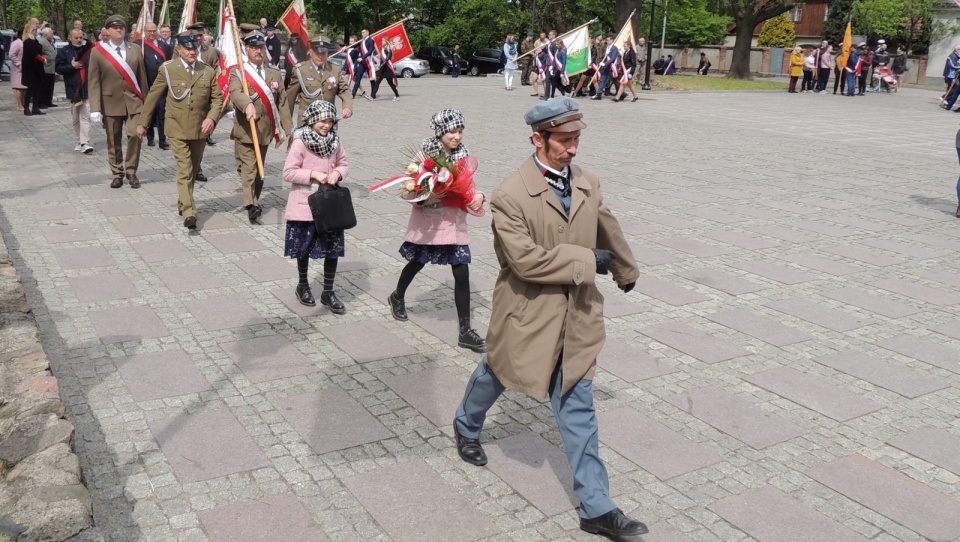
[189, 15]
[227, 45]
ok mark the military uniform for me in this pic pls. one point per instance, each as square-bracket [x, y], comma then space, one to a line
[113, 97]
[526, 63]
[191, 99]
[309, 84]
[209, 56]
[243, 141]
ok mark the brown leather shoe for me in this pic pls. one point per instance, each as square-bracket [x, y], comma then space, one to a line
[134, 181]
[117, 182]
[201, 178]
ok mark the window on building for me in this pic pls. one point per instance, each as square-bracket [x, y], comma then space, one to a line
[796, 13]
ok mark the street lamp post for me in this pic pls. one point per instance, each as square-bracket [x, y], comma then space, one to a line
[646, 77]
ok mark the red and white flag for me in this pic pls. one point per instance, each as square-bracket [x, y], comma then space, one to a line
[145, 17]
[227, 45]
[188, 16]
[396, 35]
[295, 20]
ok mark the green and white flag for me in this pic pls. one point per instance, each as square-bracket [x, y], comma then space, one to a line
[578, 50]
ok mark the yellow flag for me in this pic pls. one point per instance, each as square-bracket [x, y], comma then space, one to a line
[847, 47]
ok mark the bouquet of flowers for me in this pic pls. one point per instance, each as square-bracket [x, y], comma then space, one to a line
[436, 177]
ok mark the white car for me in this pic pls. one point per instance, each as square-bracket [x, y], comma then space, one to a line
[406, 68]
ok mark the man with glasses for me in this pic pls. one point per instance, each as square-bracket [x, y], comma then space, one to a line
[155, 53]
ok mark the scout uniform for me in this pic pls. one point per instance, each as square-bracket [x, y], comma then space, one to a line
[265, 84]
[192, 97]
[117, 83]
[310, 83]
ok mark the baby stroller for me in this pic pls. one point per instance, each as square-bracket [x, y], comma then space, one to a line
[884, 80]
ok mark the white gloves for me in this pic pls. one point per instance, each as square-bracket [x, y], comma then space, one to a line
[96, 118]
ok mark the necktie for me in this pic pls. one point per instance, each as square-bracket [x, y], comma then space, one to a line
[259, 72]
[120, 53]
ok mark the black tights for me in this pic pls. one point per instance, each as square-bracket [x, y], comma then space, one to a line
[329, 272]
[461, 284]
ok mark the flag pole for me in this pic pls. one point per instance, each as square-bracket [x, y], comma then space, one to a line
[163, 12]
[567, 33]
[246, 90]
[384, 29]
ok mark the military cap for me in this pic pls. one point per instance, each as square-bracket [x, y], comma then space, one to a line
[255, 39]
[115, 20]
[321, 46]
[560, 114]
[598, 33]
[269, 28]
[188, 40]
[246, 28]
[196, 26]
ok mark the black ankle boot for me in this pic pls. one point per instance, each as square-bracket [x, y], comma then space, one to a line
[469, 338]
[397, 307]
[305, 295]
[330, 300]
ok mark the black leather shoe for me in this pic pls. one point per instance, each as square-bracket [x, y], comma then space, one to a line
[210, 141]
[613, 524]
[37, 112]
[332, 302]
[397, 307]
[471, 340]
[254, 212]
[201, 178]
[190, 222]
[150, 143]
[164, 146]
[117, 182]
[469, 448]
[305, 296]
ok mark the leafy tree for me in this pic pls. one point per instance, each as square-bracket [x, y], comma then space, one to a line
[747, 14]
[474, 24]
[837, 17]
[880, 18]
[691, 23]
[779, 31]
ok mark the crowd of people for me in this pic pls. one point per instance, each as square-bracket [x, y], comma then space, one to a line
[865, 69]
[170, 84]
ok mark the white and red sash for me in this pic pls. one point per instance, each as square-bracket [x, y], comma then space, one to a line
[369, 57]
[291, 58]
[259, 85]
[121, 65]
[158, 50]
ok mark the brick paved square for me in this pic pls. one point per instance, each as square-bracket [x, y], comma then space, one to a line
[693, 342]
[121, 208]
[931, 444]
[83, 258]
[103, 287]
[162, 250]
[265, 519]
[271, 268]
[55, 212]
[536, 469]
[206, 445]
[232, 243]
[156, 375]
[268, 358]
[813, 393]
[136, 227]
[67, 233]
[189, 278]
[433, 392]
[121, 324]
[631, 362]
[330, 420]
[224, 313]
[365, 341]
[762, 327]
[894, 377]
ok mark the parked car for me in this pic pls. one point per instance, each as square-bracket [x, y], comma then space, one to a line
[412, 67]
[6, 38]
[406, 68]
[441, 59]
[485, 61]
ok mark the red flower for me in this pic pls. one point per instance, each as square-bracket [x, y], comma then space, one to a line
[429, 164]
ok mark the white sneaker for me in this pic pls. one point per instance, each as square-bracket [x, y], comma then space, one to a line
[396, 99]
[78, 148]
[87, 149]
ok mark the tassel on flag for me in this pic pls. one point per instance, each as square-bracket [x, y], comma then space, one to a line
[295, 20]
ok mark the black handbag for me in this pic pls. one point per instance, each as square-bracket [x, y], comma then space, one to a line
[332, 209]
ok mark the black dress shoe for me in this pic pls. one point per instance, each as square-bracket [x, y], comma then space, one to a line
[254, 212]
[613, 524]
[51, 105]
[469, 448]
[116, 183]
[164, 146]
[190, 222]
[26, 112]
[596, 98]
[150, 143]
[201, 178]
[330, 300]
[210, 141]
[305, 296]
[397, 306]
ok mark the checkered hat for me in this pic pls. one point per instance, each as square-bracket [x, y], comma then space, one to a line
[446, 120]
[317, 111]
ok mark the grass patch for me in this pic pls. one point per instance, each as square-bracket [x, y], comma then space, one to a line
[693, 82]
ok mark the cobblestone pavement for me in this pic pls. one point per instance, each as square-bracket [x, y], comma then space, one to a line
[787, 369]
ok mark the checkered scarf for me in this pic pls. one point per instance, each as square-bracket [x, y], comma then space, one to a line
[322, 146]
[446, 120]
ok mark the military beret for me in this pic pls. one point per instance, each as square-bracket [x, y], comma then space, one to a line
[321, 46]
[611, 35]
[188, 40]
[559, 114]
[255, 39]
[115, 20]
[597, 34]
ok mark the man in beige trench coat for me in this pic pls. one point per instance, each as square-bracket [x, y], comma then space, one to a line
[553, 236]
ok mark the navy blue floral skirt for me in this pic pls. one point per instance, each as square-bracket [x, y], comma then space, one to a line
[435, 254]
[303, 240]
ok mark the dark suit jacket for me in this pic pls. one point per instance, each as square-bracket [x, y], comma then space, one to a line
[273, 49]
[76, 91]
[153, 59]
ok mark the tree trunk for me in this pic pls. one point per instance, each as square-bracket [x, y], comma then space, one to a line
[623, 8]
[740, 65]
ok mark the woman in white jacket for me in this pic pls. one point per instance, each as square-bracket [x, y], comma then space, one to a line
[510, 53]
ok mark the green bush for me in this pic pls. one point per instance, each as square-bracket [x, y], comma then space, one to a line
[779, 31]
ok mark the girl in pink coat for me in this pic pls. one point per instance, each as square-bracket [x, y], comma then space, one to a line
[437, 233]
[316, 157]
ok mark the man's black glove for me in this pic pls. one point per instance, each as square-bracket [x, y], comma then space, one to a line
[604, 257]
[627, 287]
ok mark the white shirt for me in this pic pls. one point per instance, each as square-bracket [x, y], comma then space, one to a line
[191, 69]
[119, 49]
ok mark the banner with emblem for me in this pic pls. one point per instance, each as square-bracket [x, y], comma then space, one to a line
[295, 20]
[396, 34]
[578, 51]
